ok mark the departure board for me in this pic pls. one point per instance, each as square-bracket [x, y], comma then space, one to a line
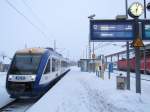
[111, 30]
[146, 30]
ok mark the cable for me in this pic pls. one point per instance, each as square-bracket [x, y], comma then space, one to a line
[99, 45]
[25, 17]
[34, 14]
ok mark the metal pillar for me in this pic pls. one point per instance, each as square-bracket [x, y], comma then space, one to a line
[128, 64]
[93, 47]
[54, 45]
[117, 61]
[137, 58]
[111, 58]
[126, 7]
[145, 9]
[144, 47]
[128, 67]
[109, 75]
[106, 61]
[137, 70]
[144, 60]
[86, 53]
[90, 18]
[89, 42]
[89, 48]
[118, 57]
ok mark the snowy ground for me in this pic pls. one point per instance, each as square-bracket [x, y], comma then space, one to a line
[84, 92]
[145, 85]
[4, 97]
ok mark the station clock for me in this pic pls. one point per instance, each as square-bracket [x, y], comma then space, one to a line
[135, 10]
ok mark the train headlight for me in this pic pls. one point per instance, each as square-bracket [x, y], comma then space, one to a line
[33, 77]
[10, 77]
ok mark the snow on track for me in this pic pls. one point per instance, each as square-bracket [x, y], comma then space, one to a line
[20, 105]
[84, 92]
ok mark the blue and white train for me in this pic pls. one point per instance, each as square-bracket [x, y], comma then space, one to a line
[32, 70]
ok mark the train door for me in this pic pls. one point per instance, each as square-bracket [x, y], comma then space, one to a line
[50, 64]
[58, 66]
[54, 67]
[46, 77]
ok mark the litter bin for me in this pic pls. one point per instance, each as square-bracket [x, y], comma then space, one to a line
[121, 82]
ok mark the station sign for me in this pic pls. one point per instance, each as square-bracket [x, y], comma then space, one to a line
[112, 30]
[146, 30]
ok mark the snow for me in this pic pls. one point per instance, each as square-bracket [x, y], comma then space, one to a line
[4, 97]
[145, 84]
[84, 92]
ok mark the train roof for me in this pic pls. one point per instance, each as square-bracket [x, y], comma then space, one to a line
[37, 51]
[31, 50]
[40, 51]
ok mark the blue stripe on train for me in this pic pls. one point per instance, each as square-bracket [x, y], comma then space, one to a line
[40, 71]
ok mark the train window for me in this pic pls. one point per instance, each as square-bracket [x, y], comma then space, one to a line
[57, 65]
[25, 64]
[64, 64]
[53, 65]
[61, 63]
[47, 69]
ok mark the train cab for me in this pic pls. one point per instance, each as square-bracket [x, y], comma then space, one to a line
[32, 70]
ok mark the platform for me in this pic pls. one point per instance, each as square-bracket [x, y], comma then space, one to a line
[85, 92]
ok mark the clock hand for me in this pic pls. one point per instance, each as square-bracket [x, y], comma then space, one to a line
[137, 7]
[136, 10]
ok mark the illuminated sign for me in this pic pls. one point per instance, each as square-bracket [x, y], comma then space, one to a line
[111, 30]
[146, 30]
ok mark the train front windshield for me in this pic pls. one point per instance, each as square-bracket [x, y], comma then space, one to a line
[25, 64]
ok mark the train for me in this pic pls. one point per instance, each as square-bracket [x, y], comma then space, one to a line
[32, 70]
[122, 64]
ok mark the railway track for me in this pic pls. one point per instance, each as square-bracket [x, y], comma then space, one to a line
[19, 105]
[133, 76]
[141, 78]
[22, 105]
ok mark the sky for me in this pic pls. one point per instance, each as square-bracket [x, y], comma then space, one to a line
[65, 21]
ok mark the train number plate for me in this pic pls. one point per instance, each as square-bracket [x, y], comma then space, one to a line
[20, 77]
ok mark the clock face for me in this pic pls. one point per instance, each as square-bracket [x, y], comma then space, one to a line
[136, 9]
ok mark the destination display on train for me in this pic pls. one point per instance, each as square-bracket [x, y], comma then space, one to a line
[111, 30]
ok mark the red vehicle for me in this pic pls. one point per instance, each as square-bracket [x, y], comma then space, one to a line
[122, 64]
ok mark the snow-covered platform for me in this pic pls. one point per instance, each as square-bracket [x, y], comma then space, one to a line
[4, 97]
[84, 92]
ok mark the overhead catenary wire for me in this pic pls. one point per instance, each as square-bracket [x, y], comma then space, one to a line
[33, 13]
[101, 45]
[25, 17]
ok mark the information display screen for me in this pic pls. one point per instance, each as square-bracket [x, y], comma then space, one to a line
[146, 30]
[111, 30]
